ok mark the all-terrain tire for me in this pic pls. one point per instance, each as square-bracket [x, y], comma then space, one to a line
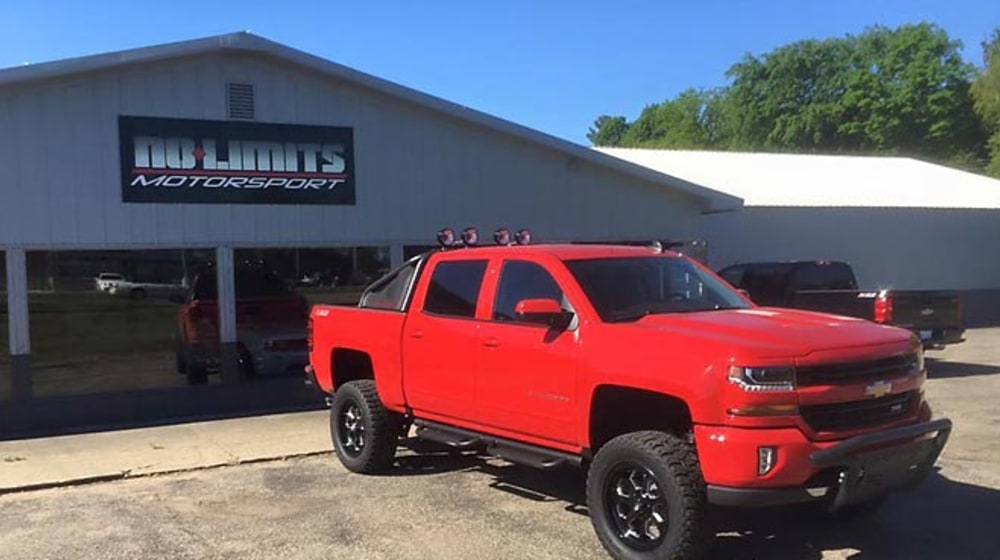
[624, 467]
[364, 433]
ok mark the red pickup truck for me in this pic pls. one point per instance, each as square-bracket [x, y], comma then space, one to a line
[640, 365]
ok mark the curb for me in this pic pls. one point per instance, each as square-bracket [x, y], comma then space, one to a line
[129, 474]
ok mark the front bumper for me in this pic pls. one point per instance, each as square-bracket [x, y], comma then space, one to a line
[853, 470]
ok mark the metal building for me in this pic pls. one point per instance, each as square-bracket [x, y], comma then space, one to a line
[900, 222]
[132, 177]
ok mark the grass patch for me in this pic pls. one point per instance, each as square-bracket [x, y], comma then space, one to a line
[90, 326]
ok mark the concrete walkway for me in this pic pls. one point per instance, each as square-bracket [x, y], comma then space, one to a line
[30, 464]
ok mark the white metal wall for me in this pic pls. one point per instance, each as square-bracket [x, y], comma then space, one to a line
[888, 247]
[417, 170]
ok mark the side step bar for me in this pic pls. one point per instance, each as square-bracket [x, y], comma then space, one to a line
[513, 451]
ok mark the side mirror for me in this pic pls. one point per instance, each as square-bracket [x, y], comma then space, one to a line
[745, 294]
[544, 312]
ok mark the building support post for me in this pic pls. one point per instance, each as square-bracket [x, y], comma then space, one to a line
[395, 255]
[17, 309]
[225, 274]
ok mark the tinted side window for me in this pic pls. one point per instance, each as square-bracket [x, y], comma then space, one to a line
[766, 283]
[390, 295]
[824, 276]
[454, 288]
[733, 275]
[520, 280]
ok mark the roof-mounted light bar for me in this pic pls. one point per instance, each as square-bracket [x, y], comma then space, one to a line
[470, 237]
[502, 236]
[447, 238]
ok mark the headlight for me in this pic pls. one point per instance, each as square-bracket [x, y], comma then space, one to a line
[763, 378]
[918, 360]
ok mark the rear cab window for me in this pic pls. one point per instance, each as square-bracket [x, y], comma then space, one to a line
[454, 287]
[824, 276]
[390, 293]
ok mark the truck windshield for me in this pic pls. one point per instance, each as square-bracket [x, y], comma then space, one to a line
[627, 289]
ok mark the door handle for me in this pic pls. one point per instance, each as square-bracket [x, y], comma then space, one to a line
[491, 342]
[416, 334]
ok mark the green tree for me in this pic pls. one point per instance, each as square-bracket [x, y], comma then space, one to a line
[685, 122]
[608, 131]
[986, 92]
[689, 121]
[884, 91]
[903, 90]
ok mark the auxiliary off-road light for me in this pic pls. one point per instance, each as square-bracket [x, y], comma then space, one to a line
[502, 236]
[523, 237]
[446, 237]
[470, 237]
[767, 458]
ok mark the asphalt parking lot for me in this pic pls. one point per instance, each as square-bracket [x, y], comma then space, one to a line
[440, 506]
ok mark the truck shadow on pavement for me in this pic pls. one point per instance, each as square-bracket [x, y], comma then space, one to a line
[941, 519]
[940, 369]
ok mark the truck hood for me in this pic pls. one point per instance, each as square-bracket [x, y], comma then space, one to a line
[775, 332]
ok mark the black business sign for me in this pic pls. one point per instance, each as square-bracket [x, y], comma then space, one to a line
[225, 162]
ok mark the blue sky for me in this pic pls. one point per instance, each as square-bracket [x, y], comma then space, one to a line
[551, 65]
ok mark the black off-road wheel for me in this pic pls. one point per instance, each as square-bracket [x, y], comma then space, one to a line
[364, 433]
[647, 498]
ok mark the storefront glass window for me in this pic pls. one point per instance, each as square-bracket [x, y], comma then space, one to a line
[410, 251]
[104, 321]
[275, 289]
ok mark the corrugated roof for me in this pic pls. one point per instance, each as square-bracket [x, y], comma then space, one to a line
[252, 44]
[822, 181]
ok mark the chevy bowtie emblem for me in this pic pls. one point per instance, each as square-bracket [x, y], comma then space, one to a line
[879, 389]
[927, 312]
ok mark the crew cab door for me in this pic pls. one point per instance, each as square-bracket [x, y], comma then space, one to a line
[527, 380]
[441, 341]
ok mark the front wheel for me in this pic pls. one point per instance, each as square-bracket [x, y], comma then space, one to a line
[647, 498]
[364, 433]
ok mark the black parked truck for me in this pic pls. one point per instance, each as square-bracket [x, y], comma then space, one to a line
[830, 287]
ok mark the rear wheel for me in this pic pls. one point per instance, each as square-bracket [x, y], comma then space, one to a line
[647, 498]
[364, 433]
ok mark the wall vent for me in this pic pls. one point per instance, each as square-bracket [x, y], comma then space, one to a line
[241, 101]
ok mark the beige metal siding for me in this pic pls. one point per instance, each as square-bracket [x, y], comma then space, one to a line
[900, 248]
[417, 170]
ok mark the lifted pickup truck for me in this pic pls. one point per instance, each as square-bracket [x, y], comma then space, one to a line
[935, 316]
[642, 366]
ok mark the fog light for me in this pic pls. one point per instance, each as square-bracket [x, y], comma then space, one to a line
[767, 457]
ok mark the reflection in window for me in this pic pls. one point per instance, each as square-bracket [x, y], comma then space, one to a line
[334, 275]
[5, 377]
[274, 291]
[104, 321]
[521, 280]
